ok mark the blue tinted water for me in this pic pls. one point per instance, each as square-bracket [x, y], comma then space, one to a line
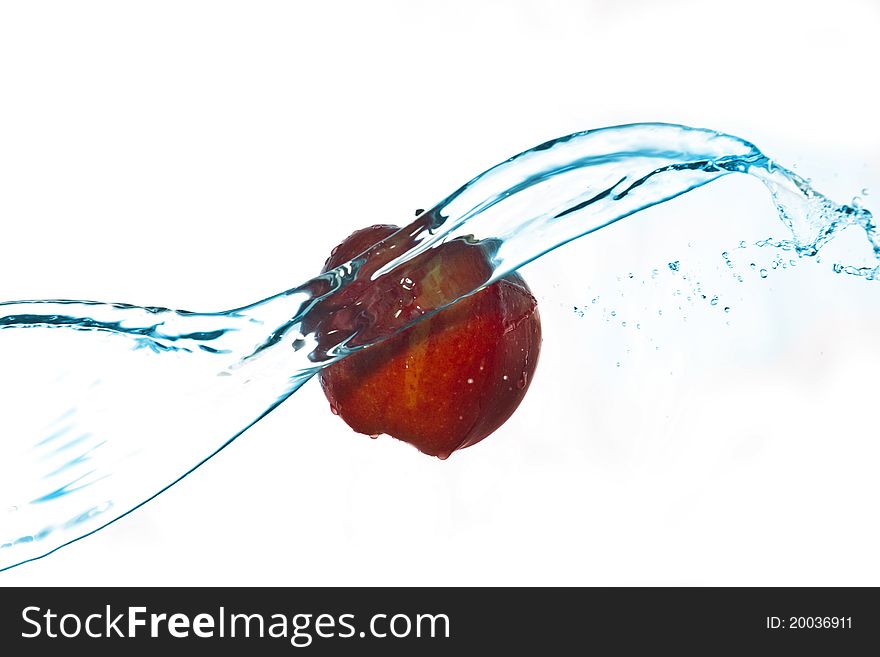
[104, 406]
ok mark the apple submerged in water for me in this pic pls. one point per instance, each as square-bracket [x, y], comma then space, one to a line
[452, 379]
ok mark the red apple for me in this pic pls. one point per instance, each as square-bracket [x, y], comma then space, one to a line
[450, 380]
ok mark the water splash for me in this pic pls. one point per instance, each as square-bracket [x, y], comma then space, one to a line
[104, 406]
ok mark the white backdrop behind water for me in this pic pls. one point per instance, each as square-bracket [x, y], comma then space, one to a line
[749, 433]
[690, 282]
[664, 331]
[334, 486]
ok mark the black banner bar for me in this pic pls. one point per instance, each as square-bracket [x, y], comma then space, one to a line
[438, 621]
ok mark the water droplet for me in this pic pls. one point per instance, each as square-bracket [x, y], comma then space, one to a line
[470, 380]
[504, 377]
[763, 273]
[334, 410]
[374, 436]
[523, 379]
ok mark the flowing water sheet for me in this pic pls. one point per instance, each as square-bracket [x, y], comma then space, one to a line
[104, 406]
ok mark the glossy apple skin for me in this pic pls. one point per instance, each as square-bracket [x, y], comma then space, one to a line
[452, 379]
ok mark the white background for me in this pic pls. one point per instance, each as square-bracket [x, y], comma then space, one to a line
[206, 154]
